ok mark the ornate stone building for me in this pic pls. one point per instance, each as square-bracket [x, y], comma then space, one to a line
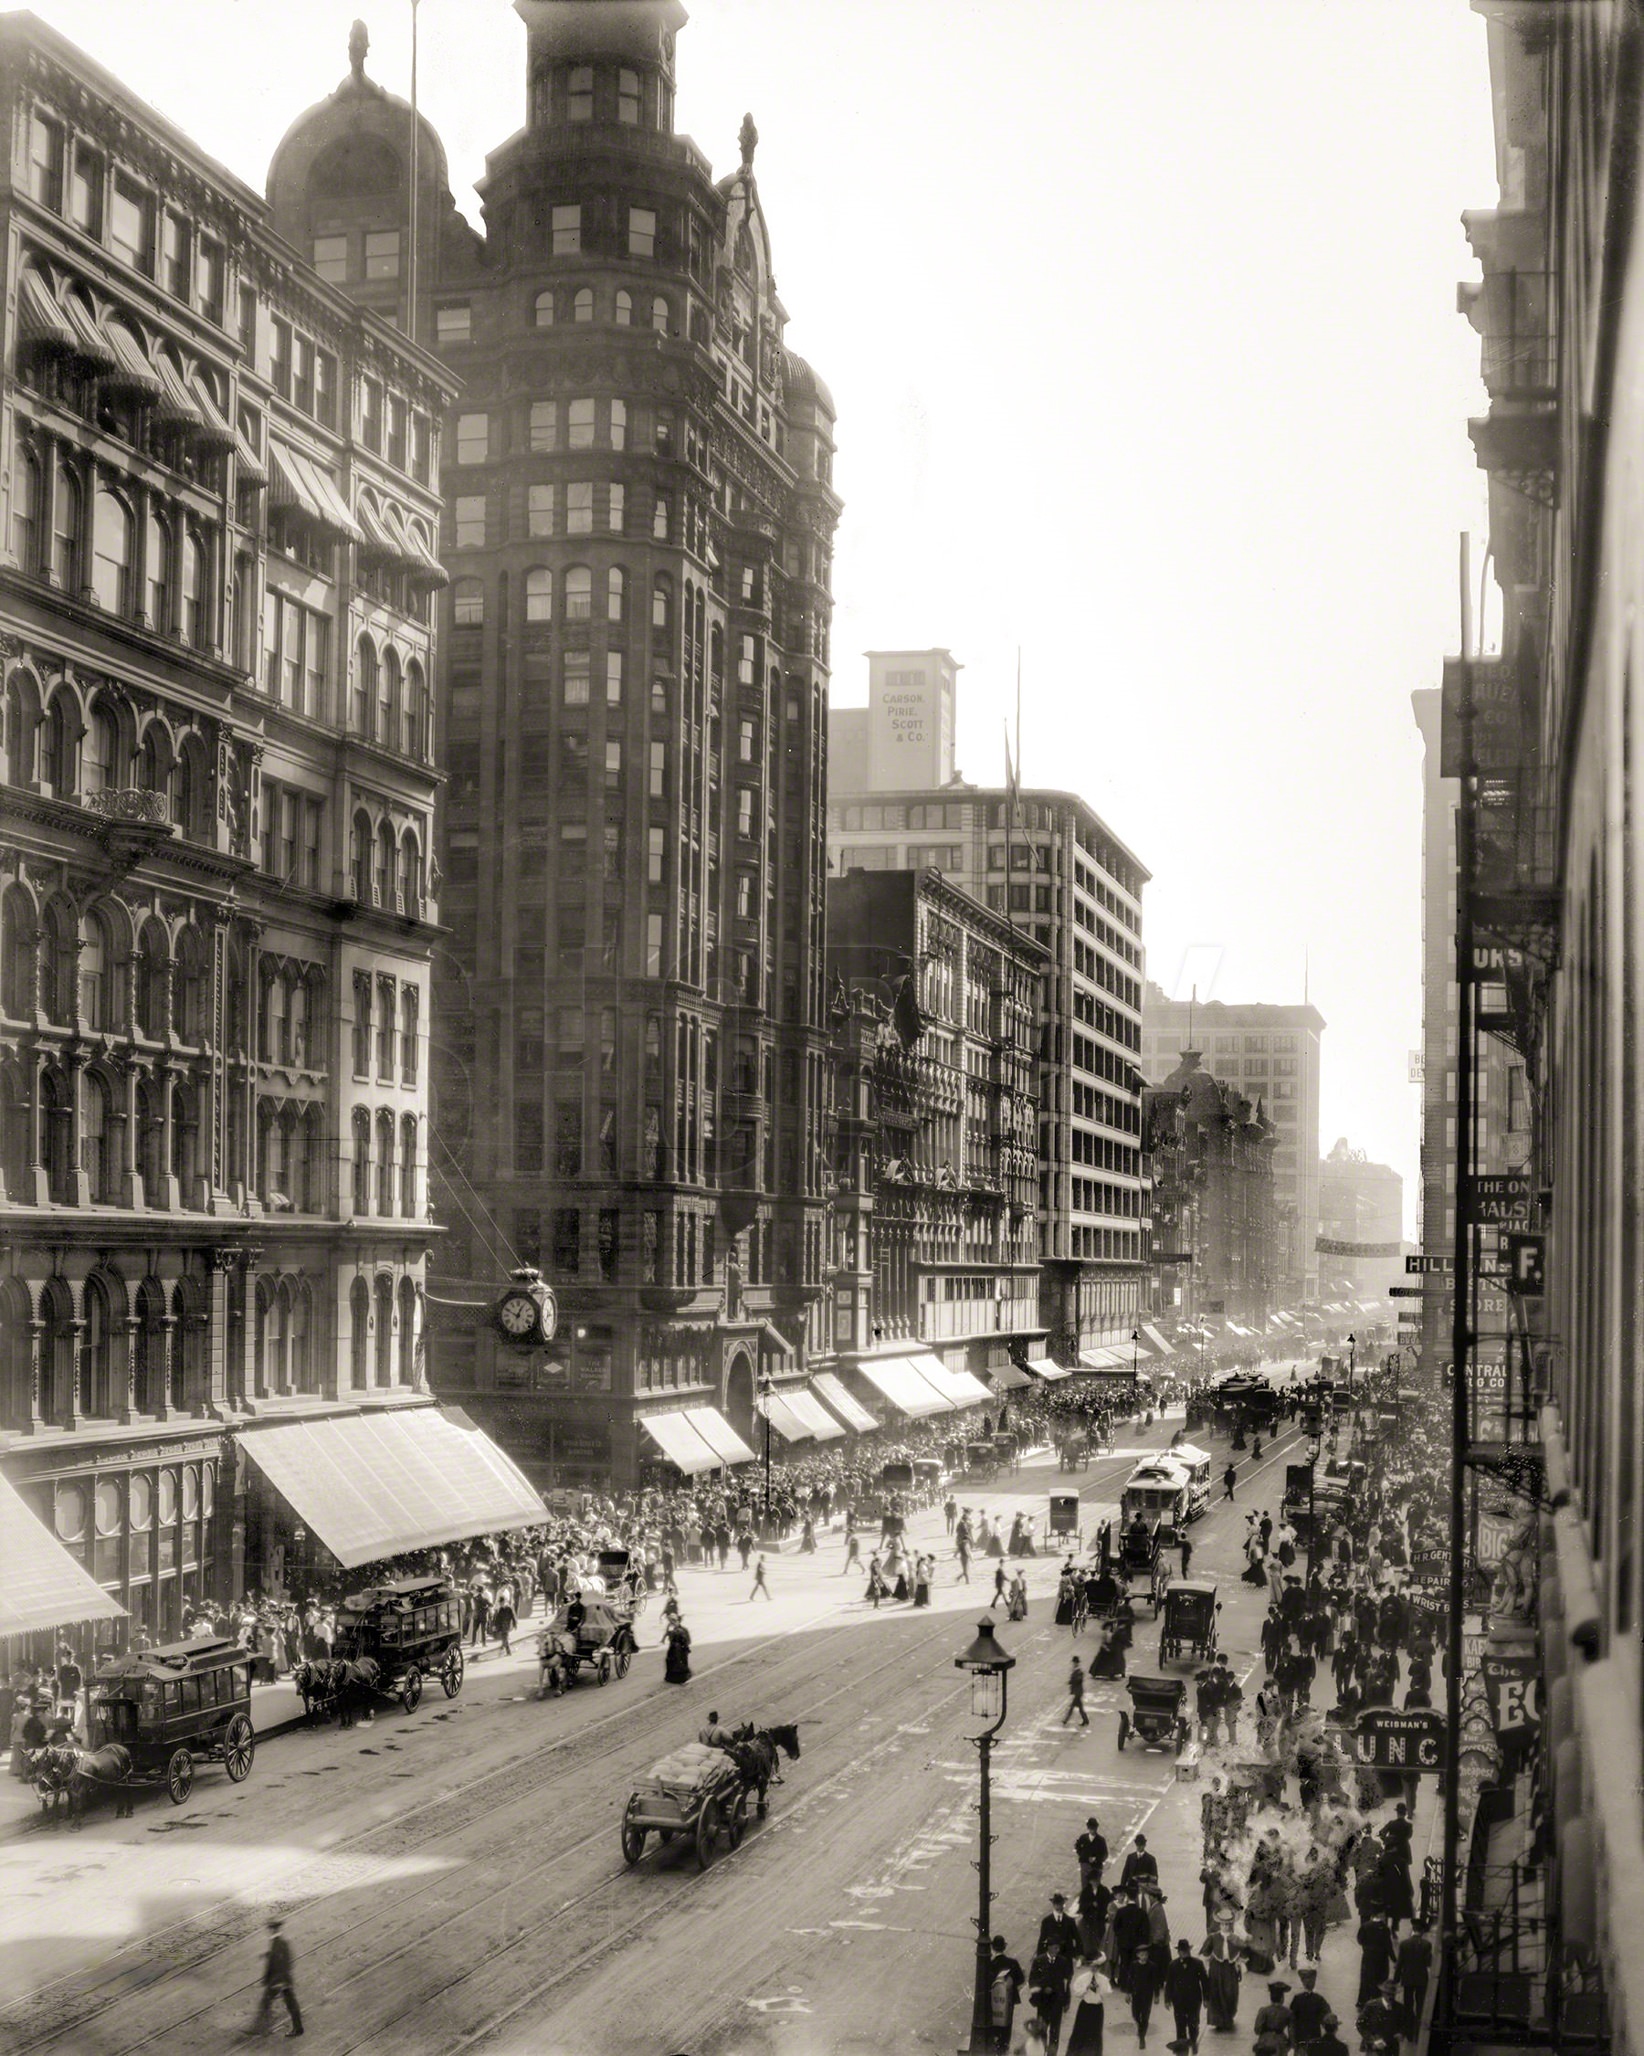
[632, 1072]
[216, 812]
[1212, 1152]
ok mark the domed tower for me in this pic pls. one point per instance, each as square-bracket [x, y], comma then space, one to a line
[640, 518]
[341, 186]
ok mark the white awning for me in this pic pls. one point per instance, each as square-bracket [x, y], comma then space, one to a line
[376, 1484]
[42, 1585]
[41, 319]
[782, 1417]
[1104, 1360]
[1042, 1367]
[848, 1407]
[813, 1413]
[334, 509]
[679, 1442]
[1155, 1341]
[727, 1445]
[959, 1388]
[902, 1385]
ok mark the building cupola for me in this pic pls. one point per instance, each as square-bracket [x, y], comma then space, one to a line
[609, 63]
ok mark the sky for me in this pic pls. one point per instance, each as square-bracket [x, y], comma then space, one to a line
[1140, 320]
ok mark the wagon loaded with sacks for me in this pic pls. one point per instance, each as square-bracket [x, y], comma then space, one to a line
[697, 1792]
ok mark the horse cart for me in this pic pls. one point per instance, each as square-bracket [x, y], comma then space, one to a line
[1138, 1550]
[400, 1633]
[1156, 1714]
[594, 1633]
[696, 1794]
[1189, 1631]
[154, 1713]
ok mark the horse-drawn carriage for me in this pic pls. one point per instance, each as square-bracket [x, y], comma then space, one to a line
[393, 1636]
[1138, 1549]
[153, 1713]
[1156, 1714]
[981, 1462]
[598, 1633]
[1189, 1631]
[701, 1792]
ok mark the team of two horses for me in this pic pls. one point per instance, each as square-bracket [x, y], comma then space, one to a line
[66, 1775]
[340, 1685]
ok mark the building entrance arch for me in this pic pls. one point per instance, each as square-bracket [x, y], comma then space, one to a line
[739, 1395]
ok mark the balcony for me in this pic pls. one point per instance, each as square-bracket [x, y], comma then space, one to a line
[1517, 441]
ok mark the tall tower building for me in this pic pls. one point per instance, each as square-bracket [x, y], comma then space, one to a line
[630, 1053]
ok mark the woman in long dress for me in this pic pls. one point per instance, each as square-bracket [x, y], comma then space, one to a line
[1018, 1597]
[1086, 2015]
[921, 1580]
[676, 1668]
[1221, 1954]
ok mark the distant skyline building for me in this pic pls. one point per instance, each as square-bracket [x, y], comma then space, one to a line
[1272, 1053]
[905, 736]
[1360, 1203]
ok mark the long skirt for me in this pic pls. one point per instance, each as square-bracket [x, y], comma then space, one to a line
[1085, 2028]
[1222, 1993]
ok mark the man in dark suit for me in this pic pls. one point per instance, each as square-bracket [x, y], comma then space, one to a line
[278, 1982]
[1141, 1867]
[1059, 1925]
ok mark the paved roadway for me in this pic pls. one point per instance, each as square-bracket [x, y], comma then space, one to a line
[452, 1879]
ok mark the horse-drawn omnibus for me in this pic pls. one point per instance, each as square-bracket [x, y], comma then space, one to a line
[408, 1629]
[154, 1712]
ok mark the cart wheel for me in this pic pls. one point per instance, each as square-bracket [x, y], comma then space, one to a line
[707, 1826]
[239, 1746]
[180, 1776]
[602, 1667]
[451, 1673]
[411, 1691]
[737, 1825]
[633, 1843]
[623, 1659]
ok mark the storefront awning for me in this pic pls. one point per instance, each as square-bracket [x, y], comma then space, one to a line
[849, 1408]
[679, 1442]
[373, 1485]
[1104, 1360]
[959, 1388]
[42, 1586]
[1009, 1378]
[1042, 1367]
[131, 372]
[40, 318]
[902, 1385]
[782, 1417]
[813, 1413]
[1153, 1340]
[719, 1435]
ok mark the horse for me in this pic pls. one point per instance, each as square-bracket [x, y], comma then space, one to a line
[755, 1754]
[316, 1681]
[63, 1770]
[51, 1772]
[356, 1680]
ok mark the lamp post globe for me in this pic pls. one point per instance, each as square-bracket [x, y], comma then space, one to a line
[989, 1666]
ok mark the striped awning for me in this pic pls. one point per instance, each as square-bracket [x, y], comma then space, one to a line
[91, 344]
[1007, 1378]
[250, 466]
[1153, 1340]
[848, 1407]
[378, 540]
[174, 402]
[1042, 1367]
[131, 371]
[292, 486]
[813, 1413]
[727, 1445]
[679, 1442]
[215, 426]
[40, 316]
[899, 1380]
[334, 510]
[959, 1388]
[43, 1585]
[782, 1417]
[425, 567]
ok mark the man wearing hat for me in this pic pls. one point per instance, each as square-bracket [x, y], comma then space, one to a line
[1184, 1987]
[1060, 1925]
[1382, 2017]
[1141, 1866]
[1091, 1850]
[1330, 2042]
[1050, 1981]
[277, 1981]
[1273, 2023]
[1308, 2009]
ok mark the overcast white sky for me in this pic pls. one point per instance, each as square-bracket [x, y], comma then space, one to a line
[1140, 319]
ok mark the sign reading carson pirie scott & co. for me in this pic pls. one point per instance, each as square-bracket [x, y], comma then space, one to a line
[1391, 1740]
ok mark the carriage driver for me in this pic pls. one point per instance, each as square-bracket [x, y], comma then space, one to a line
[575, 1614]
[712, 1736]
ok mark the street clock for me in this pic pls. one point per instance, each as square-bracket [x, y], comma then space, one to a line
[527, 1312]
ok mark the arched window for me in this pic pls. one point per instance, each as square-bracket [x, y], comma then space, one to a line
[662, 603]
[66, 530]
[153, 981]
[616, 593]
[385, 1328]
[16, 1355]
[96, 1349]
[196, 591]
[57, 1351]
[244, 623]
[545, 310]
[410, 1054]
[467, 602]
[310, 1195]
[387, 850]
[148, 769]
[149, 1369]
[624, 310]
[99, 752]
[579, 593]
[360, 857]
[362, 1163]
[99, 1155]
[539, 594]
[57, 1137]
[365, 686]
[111, 552]
[298, 1050]
[415, 739]
[385, 1163]
[188, 1014]
[388, 698]
[659, 315]
[157, 571]
[582, 307]
[302, 1338]
[410, 873]
[97, 996]
[62, 738]
[58, 993]
[22, 719]
[184, 784]
[408, 1332]
[408, 1166]
[185, 1137]
[359, 1340]
[25, 512]
[15, 1116]
[150, 1140]
[19, 955]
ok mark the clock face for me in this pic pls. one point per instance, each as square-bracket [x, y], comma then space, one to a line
[518, 1313]
[548, 1315]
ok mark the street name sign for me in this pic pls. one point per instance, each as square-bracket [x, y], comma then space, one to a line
[1413, 1291]
[1390, 1740]
[1429, 1267]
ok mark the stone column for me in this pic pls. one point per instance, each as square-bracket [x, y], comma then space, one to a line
[128, 1407]
[36, 1178]
[216, 1365]
[165, 1330]
[36, 1419]
[70, 1414]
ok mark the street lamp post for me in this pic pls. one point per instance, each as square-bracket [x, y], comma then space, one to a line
[1352, 1365]
[989, 1667]
[765, 1388]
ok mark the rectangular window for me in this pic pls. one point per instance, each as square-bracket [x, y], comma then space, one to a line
[398, 414]
[658, 780]
[613, 765]
[302, 374]
[382, 253]
[579, 93]
[528, 1136]
[279, 357]
[473, 438]
[544, 424]
[331, 259]
[362, 1024]
[617, 509]
[655, 847]
[313, 830]
[131, 223]
[86, 191]
[453, 323]
[325, 388]
[613, 678]
[659, 518]
[641, 232]
[371, 414]
[567, 231]
[744, 810]
[579, 425]
[209, 274]
[385, 1027]
[653, 945]
[628, 98]
[539, 510]
[46, 162]
[471, 521]
[619, 424]
[576, 675]
[579, 507]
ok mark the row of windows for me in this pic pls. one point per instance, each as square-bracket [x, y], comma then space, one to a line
[577, 597]
[75, 755]
[454, 319]
[385, 865]
[606, 93]
[588, 424]
[389, 703]
[384, 1173]
[379, 1017]
[578, 507]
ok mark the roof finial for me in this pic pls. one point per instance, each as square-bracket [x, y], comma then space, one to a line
[359, 42]
[748, 137]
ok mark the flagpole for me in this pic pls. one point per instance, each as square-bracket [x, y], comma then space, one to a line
[416, 140]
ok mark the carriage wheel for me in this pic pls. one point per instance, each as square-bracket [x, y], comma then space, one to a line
[707, 1826]
[602, 1667]
[411, 1690]
[737, 1823]
[239, 1746]
[451, 1673]
[180, 1776]
[633, 1842]
[623, 1659]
